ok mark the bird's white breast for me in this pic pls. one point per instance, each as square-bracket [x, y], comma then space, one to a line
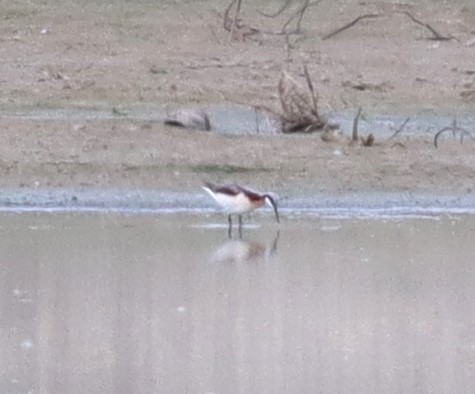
[234, 204]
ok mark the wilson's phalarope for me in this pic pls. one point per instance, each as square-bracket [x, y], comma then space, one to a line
[236, 200]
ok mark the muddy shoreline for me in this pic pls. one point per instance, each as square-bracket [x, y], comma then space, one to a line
[359, 205]
[71, 71]
[241, 120]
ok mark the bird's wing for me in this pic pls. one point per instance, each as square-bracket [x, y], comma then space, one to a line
[230, 190]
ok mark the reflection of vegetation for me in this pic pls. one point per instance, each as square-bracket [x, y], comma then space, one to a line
[226, 168]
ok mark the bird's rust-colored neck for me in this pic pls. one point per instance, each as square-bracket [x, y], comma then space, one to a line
[252, 196]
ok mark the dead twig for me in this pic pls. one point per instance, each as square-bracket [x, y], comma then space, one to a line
[288, 46]
[234, 26]
[236, 14]
[437, 35]
[400, 128]
[354, 134]
[365, 141]
[299, 14]
[226, 16]
[454, 129]
[312, 91]
[348, 25]
[282, 9]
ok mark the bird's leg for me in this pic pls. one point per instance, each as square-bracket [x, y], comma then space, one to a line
[230, 226]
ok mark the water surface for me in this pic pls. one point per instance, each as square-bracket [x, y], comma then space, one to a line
[245, 120]
[111, 303]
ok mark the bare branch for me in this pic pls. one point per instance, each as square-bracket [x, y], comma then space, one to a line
[400, 128]
[302, 11]
[282, 9]
[236, 14]
[454, 128]
[310, 87]
[288, 47]
[226, 16]
[437, 35]
[439, 133]
[352, 23]
[299, 14]
[235, 26]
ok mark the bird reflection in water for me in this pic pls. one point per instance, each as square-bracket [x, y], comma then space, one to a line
[240, 250]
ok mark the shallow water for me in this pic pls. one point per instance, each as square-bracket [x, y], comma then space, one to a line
[245, 120]
[110, 303]
[140, 201]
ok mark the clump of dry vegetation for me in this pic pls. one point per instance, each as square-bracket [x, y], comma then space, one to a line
[299, 107]
[299, 112]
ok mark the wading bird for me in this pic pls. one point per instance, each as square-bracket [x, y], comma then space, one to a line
[236, 200]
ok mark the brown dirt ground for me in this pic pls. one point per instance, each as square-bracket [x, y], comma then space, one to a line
[119, 53]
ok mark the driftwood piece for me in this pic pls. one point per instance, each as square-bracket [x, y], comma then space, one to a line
[189, 118]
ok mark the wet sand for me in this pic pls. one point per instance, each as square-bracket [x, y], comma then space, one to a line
[127, 303]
